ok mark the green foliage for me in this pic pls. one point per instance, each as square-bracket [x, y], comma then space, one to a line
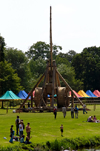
[42, 49]
[37, 67]
[68, 56]
[61, 60]
[20, 63]
[2, 44]
[86, 65]
[56, 145]
[9, 79]
[68, 74]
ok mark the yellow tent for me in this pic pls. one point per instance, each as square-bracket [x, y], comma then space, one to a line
[82, 93]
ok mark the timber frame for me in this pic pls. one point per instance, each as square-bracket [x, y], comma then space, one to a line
[51, 78]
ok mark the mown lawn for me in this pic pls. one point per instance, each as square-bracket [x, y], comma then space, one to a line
[45, 128]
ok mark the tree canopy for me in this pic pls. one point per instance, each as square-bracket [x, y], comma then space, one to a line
[42, 49]
[9, 79]
[86, 65]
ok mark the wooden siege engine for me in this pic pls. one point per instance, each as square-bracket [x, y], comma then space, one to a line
[51, 85]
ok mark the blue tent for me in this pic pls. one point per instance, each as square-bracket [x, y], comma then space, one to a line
[88, 92]
[23, 95]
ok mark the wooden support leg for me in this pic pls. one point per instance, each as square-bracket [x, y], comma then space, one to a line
[72, 100]
[43, 87]
[32, 100]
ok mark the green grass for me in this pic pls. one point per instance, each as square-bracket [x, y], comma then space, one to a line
[45, 128]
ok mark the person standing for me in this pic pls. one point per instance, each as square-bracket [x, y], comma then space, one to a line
[72, 112]
[76, 112]
[64, 111]
[28, 129]
[21, 129]
[17, 124]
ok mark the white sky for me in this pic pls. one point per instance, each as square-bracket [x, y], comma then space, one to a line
[75, 23]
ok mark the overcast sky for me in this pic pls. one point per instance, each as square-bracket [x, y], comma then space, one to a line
[75, 23]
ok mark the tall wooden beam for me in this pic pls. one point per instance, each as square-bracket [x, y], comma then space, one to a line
[50, 38]
[53, 83]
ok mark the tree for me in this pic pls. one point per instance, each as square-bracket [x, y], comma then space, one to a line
[87, 66]
[68, 74]
[37, 67]
[69, 56]
[20, 63]
[8, 78]
[2, 44]
[62, 60]
[42, 49]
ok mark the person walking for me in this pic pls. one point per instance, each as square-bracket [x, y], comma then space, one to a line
[55, 112]
[84, 109]
[61, 129]
[17, 124]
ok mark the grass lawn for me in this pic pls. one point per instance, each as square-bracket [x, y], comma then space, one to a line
[45, 128]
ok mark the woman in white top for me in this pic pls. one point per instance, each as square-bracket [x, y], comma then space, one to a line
[21, 129]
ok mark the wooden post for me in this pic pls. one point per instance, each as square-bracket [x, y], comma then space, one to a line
[50, 38]
[53, 83]
[32, 100]
[7, 107]
[72, 100]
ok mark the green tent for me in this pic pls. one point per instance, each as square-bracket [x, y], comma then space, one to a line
[9, 95]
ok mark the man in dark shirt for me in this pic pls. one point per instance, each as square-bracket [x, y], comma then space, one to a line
[17, 124]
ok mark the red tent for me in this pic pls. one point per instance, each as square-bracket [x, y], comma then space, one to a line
[97, 93]
[76, 94]
[34, 93]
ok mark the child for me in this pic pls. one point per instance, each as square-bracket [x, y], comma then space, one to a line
[27, 140]
[61, 129]
[22, 139]
[11, 134]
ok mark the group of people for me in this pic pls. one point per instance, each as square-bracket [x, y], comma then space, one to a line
[93, 119]
[74, 110]
[19, 131]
